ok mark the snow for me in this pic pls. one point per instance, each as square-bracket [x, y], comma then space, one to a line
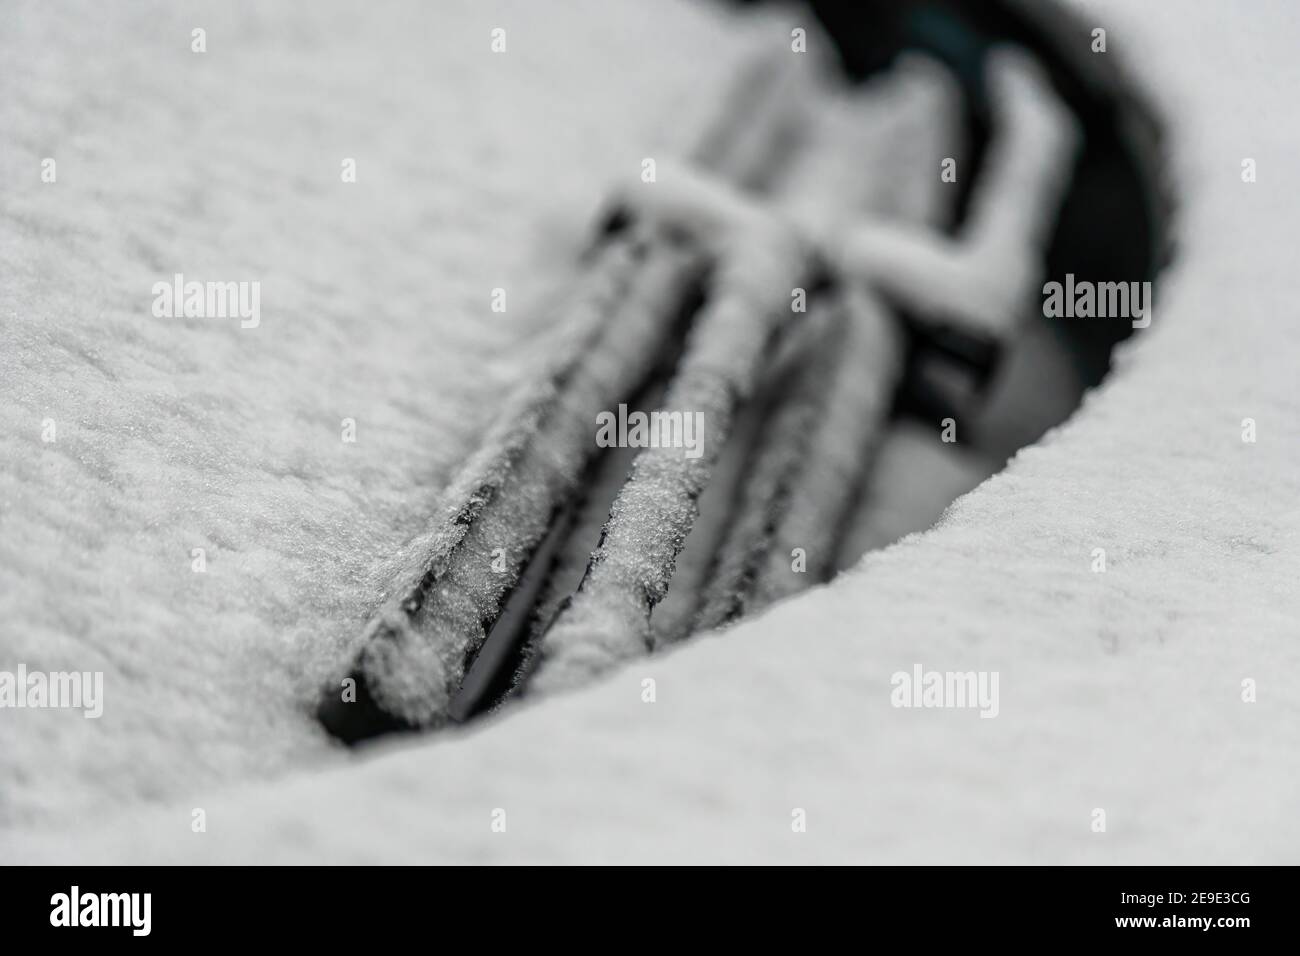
[174, 435]
[1119, 690]
[608, 619]
[499, 508]
[983, 275]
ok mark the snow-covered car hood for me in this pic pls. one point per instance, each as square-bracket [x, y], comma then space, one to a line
[1120, 691]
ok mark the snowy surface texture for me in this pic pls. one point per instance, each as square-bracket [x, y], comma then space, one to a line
[475, 171]
[1118, 690]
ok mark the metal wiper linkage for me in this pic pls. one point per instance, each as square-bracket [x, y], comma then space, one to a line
[759, 287]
